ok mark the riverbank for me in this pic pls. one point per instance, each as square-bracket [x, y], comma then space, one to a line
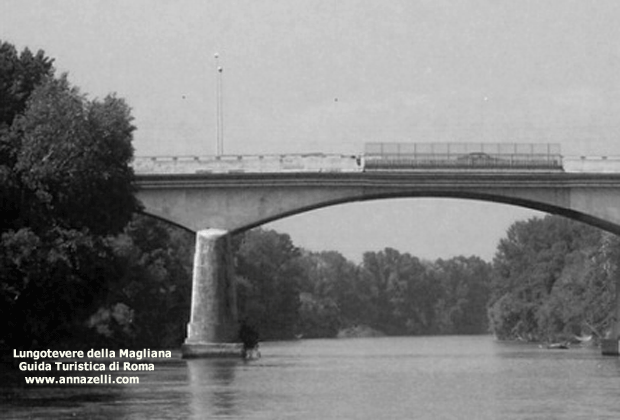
[359, 331]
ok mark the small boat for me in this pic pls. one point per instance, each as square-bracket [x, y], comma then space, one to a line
[558, 346]
[251, 354]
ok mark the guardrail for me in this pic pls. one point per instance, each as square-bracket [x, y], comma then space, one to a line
[315, 162]
[592, 164]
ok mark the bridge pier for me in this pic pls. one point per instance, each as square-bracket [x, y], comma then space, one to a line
[212, 330]
[610, 346]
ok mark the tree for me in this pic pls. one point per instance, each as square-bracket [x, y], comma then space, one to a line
[75, 160]
[51, 282]
[269, 275]
[330, 298]
[66, 187]
[541, 274]
[403, 295]
[465, 284]
[148, 303]
[19, 75]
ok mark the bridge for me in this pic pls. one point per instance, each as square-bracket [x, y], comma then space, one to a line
[218, 196]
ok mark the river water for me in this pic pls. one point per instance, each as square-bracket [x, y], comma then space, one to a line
[450, 377]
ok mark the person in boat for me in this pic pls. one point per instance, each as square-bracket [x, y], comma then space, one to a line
[249, 338]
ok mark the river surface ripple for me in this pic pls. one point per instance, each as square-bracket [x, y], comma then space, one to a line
[450, 377]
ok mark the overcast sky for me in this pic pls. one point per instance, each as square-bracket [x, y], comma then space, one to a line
[328, 76]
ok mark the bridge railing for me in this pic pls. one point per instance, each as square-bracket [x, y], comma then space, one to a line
[358, 163]
[592, 164]
[315, 162]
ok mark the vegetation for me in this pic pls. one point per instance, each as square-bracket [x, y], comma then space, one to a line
[291, 292]
[78, 266]
[268, 287]
[148, 303]
[553, 280]
[66, 187]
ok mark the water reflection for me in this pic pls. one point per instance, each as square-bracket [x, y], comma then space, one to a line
[19, 400]
[212, 387]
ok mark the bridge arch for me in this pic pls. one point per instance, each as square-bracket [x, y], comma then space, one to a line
[531, 205]
[239, 202]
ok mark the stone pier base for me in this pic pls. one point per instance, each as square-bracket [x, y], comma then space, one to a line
[211, 350]
[212, 330]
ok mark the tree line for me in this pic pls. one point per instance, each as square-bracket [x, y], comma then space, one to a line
[552, 279]
[288, 291]
[80, 266]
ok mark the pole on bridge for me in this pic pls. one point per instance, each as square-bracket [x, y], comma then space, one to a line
[219, 105]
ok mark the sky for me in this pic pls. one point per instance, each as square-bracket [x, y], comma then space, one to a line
[302, 76]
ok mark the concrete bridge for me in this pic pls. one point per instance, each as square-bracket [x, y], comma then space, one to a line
[220, 196]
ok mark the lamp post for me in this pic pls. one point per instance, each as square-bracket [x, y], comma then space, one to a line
[219, 104]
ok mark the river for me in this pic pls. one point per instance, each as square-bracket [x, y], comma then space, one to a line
[449, 377]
